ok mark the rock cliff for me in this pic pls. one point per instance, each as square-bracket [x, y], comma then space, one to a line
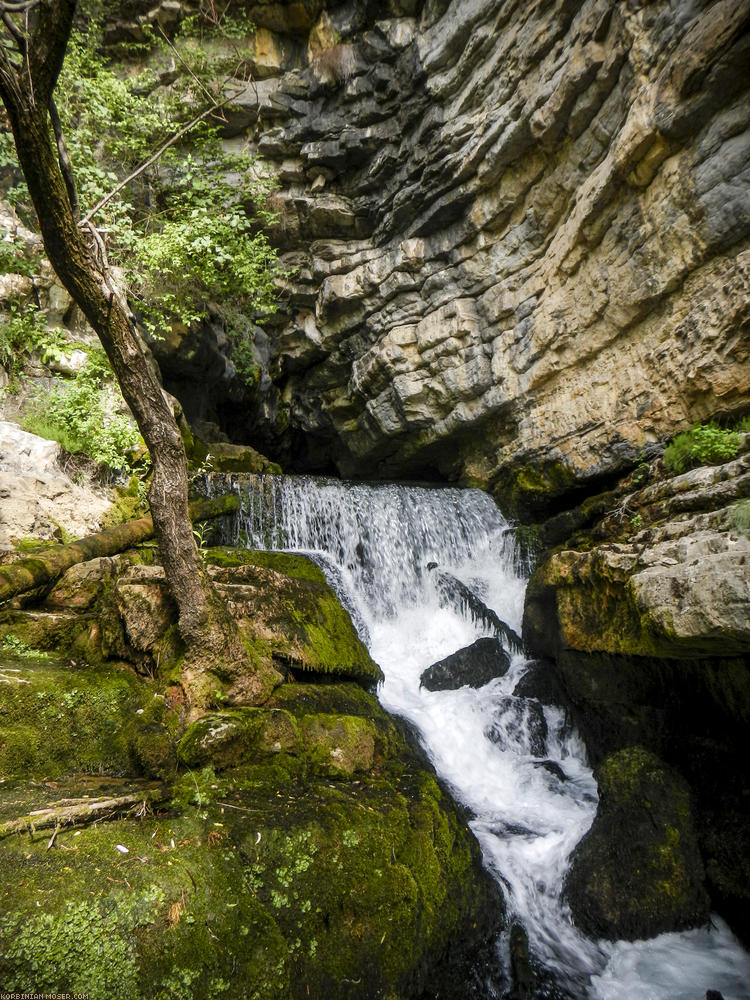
[519, 235]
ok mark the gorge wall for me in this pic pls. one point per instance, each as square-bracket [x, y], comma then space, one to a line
[519, 235]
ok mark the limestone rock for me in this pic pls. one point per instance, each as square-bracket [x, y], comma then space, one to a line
[678, 589]
[38, 499]
[638, 872]
[520, 237]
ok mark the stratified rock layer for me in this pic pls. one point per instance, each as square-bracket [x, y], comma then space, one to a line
[520, 233]
[646, 615]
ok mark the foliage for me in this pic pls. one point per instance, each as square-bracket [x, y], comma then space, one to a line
[13, 646]
[189, 230]
[23, 331]
[743, 425]
[738, 517]
[79, 415]
[704, 444]
[13, 259]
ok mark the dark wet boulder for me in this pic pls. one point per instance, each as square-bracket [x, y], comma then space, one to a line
[519, 723]
[541, 680]
[472, 666]
[637, 872]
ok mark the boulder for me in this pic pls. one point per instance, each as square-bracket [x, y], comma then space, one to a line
[473, 666]
[638, 871]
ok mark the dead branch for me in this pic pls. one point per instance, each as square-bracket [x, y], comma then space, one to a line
[80, 812]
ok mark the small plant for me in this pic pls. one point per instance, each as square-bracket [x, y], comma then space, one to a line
[704, 444]
[79, 416]
[636, 522]
[200, 533]
[738, 517]
[13, 646]
[22, 331]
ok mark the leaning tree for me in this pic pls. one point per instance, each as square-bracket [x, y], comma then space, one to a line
[34, 38]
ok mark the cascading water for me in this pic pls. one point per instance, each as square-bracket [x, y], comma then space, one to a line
[516, 765]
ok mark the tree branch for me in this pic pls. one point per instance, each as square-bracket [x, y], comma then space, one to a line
[152, 159]
[77, 812]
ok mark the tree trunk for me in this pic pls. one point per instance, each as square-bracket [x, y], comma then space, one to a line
[212, 637]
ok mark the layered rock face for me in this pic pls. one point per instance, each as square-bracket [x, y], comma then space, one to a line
[520, 233]
[646, 616]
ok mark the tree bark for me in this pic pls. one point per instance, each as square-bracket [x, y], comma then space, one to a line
[210, 634]
[44, 568]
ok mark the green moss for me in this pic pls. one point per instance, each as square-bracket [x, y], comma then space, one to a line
[138, 925]
[292, 614]
[296, 566]
[55, 719]
[528, 490]
[638, 871]
[127, 504]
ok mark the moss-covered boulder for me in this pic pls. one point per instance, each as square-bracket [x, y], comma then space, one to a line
[171, 918]
[288, 611]
[638, 871]
[294, 850]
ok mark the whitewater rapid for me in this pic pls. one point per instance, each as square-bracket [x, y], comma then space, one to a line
[377, 544]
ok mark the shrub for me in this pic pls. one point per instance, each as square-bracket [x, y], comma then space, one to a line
[738, 517]
[704, 444]
[79, 417]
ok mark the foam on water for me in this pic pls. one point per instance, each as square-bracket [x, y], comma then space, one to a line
[376, 543]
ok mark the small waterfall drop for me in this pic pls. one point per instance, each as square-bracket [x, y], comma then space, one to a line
[516, 765]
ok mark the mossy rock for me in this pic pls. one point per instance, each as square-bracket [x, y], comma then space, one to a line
[290, 613]
[56, 719]
[308, 722]
[261, 878]
[637, 872]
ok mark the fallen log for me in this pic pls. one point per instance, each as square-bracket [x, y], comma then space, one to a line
[47, 566]
[79, 812]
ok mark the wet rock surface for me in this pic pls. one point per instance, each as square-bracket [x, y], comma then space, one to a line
[298, 847]
[638, 871]
[647, 624]
[473, 666]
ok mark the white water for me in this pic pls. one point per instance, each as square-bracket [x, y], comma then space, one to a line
[376, 542]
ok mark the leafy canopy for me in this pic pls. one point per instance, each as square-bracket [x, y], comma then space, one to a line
[188, 230]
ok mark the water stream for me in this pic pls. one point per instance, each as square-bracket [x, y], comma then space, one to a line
[376, 544]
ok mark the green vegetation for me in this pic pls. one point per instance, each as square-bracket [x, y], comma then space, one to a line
[704, 444]
[23, 331]
[738, 517]
[188, 230]
[266, 869]
[11, 645]
[81, 416]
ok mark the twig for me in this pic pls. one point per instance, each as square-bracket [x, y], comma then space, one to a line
[176, 51]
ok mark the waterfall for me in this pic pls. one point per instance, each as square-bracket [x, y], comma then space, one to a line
[517, 766]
